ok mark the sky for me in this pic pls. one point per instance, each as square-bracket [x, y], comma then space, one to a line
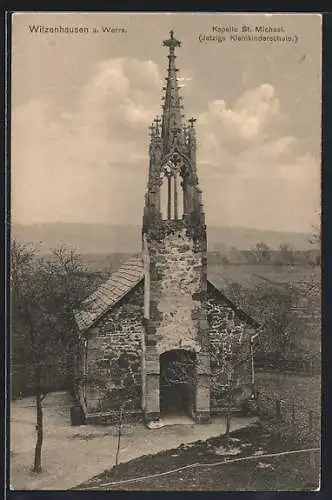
[82, 104]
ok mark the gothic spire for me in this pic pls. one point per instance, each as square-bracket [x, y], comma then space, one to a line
[172, 109]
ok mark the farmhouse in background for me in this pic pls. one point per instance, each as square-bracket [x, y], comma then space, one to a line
[158, 332]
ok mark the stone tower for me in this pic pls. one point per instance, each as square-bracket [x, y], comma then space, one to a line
[175, 264]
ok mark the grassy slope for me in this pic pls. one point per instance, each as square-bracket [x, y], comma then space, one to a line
[291, 472]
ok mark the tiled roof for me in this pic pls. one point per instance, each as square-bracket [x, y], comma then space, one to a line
[109, 293]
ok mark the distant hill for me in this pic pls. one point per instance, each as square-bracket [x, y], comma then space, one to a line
[104, 239]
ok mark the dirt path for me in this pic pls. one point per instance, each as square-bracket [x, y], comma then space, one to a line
[72, 455]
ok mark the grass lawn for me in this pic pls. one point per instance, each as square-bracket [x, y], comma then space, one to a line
[287, 472]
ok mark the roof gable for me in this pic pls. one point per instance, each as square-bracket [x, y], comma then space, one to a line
[239, 312]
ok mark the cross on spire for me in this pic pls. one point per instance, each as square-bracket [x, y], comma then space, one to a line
[172, 42]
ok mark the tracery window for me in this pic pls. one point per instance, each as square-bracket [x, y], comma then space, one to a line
[171, 191]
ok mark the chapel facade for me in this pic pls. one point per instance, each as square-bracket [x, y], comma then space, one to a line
[158, 333]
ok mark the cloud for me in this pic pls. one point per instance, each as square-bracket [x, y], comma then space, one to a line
[247, 134]
[254, 175]
[247, 123]
[66, 156]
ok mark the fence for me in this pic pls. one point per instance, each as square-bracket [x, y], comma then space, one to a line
[289, 419]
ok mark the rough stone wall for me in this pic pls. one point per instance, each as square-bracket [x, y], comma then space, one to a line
[175, 288]
[114, 356]
[113, 371]
[229, 338]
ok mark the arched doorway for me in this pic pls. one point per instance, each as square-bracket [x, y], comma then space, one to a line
[177, 385]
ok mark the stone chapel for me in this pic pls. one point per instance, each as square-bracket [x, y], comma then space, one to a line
[159, 334]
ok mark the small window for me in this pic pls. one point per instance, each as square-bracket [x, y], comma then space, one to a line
[104, 367]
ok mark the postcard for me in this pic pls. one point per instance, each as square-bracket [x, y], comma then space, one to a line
[165, 251]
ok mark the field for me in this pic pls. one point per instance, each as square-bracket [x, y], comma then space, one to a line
[249, 275]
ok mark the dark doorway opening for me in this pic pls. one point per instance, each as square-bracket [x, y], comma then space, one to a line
[177, 382]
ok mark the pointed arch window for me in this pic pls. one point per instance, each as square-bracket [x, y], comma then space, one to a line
[172, 206]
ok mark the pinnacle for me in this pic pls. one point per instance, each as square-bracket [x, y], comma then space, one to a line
[172, 115]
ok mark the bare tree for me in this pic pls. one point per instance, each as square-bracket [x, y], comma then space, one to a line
[44, 293]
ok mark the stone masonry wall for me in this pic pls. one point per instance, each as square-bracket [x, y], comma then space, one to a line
[175, 286]
[113, 371]
[230, 352]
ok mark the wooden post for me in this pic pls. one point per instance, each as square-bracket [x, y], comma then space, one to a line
[258, 403]
[278, 408]
[228, 420]
[310, 423]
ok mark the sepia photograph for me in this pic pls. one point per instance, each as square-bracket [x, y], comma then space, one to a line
[165, 253]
